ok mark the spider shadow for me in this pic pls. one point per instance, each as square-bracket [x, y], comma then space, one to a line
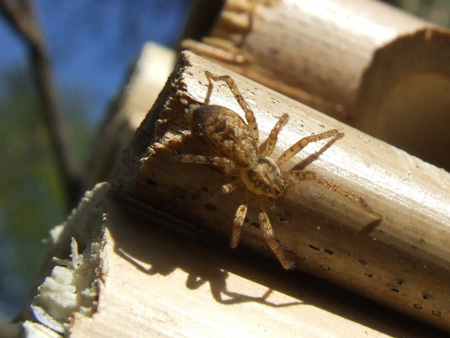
[156, 248]
[372, 225]
[314, 156]
[166, 251]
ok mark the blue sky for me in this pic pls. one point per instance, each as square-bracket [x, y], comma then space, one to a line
[93, 43]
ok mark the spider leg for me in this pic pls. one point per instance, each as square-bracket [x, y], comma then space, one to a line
[223, 190]
[267, 230]
[297, 147]
[309, 175]
[249, 116]
[273, 136]
[239, 218]
[216, 161]
[229, 187]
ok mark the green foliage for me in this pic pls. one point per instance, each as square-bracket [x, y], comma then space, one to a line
[32, 199]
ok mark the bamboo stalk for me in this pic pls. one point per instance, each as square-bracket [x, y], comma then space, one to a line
[379, 69]
[402, 261]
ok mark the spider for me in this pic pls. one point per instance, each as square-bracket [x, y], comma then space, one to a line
[234, 144]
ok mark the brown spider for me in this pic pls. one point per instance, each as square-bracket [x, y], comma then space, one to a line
[235, 145]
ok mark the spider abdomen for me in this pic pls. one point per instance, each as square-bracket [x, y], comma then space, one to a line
[225, 133]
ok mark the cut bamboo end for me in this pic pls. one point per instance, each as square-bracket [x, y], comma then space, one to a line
[403, 96]
[377, 68]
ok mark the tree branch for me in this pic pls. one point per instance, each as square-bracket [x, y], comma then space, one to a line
[23, 20]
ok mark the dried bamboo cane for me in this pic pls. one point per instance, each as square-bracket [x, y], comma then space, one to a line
[379, 69]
